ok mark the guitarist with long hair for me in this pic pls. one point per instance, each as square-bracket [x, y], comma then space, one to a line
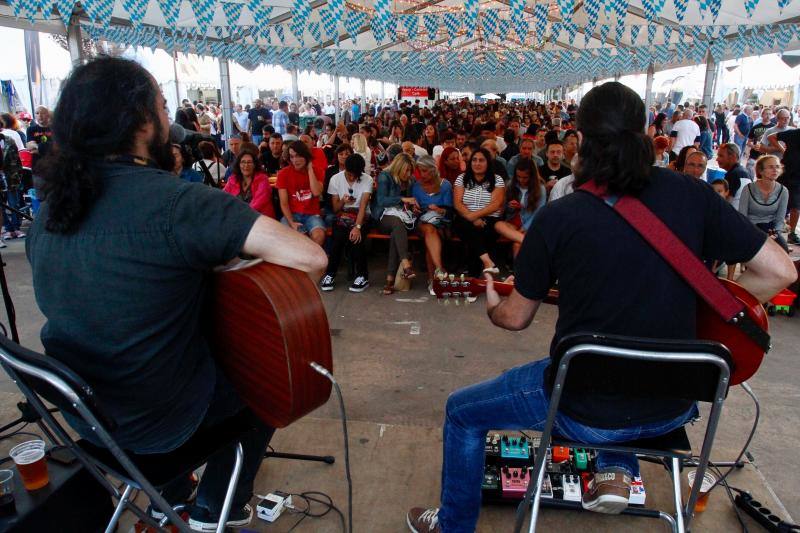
[626, 288]
[121, 254]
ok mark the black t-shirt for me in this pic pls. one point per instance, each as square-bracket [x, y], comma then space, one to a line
[547, 173]
[124, 294]
[258, 119]
[41, 135]
[734, 178]
[755, 135]
[294, 118]
[611, 281]
[272, 164]
[791, 157]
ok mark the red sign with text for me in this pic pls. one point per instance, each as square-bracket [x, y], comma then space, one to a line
[413, 92]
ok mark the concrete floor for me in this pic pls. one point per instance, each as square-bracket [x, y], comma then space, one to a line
[397, 358]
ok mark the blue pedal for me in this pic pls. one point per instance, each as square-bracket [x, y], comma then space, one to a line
[514, 447]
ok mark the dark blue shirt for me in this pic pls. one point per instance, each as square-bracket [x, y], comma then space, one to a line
[123, 297]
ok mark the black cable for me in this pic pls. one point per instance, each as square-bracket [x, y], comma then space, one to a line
[307, 512]
[728, 490]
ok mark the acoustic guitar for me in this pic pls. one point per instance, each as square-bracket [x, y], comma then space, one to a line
[746, 354]
[269, 324]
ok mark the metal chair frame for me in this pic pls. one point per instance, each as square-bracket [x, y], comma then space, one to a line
[132, 477]
[683, 515]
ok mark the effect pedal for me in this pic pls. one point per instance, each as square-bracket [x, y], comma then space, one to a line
[491, 478]
[581, 459]
[572, 487]
[514, 482]
[492, 446]
[547, 487]
[514, 447]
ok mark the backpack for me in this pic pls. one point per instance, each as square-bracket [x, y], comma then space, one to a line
[11, 164]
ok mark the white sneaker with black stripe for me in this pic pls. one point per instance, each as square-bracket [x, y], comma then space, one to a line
[359, 284]
[326, 283]
[200, 518]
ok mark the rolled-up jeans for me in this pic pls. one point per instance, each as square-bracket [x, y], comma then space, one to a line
[516, 399]
[740, 142]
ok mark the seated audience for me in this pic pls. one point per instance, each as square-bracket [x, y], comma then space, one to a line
[434, 196]
[183, 164]
[350, 192]
[680, 161]
[553, 168]
[525, 194]
[661, 145]
[736, 175]
[478, 197]
[395, 210]
[250, 184]
[765, 201]
[273, 156]
[213, 161]
[450, 164]
[299, 190]
[526, 149]
[695, 165]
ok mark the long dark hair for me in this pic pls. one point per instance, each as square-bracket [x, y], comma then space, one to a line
[488, 178]
[534, 184]
[615, 151]
[123, 90]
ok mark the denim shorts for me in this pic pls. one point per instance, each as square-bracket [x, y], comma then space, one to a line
[308, 223]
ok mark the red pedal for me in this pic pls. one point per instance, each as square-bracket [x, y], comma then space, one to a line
[560, 454]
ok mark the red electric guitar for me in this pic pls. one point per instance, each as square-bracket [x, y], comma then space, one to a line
[746, 353]
[269, 324]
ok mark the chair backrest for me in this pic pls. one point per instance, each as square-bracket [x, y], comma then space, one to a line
[52, 380]
[637, 367]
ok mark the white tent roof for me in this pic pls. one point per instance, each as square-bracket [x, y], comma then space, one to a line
[443, 42]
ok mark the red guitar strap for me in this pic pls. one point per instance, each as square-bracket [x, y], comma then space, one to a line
[682, 260]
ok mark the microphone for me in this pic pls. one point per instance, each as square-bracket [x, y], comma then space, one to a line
[180, 135]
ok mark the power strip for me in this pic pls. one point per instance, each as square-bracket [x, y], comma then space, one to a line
[763, 515]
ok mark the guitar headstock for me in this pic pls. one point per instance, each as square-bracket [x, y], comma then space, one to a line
[452, 287]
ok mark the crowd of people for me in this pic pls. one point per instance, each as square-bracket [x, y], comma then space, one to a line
[473, 172]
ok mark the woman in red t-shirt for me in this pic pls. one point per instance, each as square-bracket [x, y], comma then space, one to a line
[299, 189]
[249, 183]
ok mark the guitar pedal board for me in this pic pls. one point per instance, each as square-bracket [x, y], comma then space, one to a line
[568, 471]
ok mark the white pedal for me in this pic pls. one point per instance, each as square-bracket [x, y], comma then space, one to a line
[271, 507]
[572, 487]
[547, 487]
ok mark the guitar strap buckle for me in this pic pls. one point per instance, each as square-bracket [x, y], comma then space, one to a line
[743, 321]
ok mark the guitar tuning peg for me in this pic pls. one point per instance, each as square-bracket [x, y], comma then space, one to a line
[451, 277]
[457, 301]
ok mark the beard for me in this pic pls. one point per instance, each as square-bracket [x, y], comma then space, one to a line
[161, 152]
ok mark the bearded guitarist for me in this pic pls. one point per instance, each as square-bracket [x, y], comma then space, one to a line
[121, 254]
[610, 281]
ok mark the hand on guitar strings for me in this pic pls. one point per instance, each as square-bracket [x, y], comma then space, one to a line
[492, 296]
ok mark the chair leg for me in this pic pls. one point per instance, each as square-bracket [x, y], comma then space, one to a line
[123, 501]
[537, 495]
[705, 456]
[676, 485]
[226, 505]
[669, 519]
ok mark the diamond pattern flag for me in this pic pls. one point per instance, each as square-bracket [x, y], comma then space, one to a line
[315, 31]
[353, 23]
[518, 16]
[411, 24]
[391, 28]
[380, 19]
[452, 23]
[232, 12]
[635, 34]
[301, 10]
[604, 34]
[572, 30]
[136, 10]
[99, 11]
[566, 7]
[620, 31]
[651, 33]
[203, 13]
[170, 10]
[714, 6]
[471, 8]
[26, 8]
[331, 16]
[782, 4]
[65, 10]
[503, 28]
[750, 7]
[592, 8]
[680, 8]
[280, 33]
[431, 22]
[489, 20]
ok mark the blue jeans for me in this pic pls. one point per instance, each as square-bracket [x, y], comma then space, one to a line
[308, 223]
[11, 219]
[740, 142]
[516, 399]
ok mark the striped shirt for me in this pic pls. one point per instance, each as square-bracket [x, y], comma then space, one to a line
[479, 196]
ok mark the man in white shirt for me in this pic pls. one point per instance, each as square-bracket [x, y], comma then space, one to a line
[684, 132]
[241, 122]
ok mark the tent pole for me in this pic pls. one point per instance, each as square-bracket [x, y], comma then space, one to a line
[227, 103]
[336, 100]
[708, 86]
[363, 105]
[648, 92]
[295, 89]
[75, 41]
[175, 72]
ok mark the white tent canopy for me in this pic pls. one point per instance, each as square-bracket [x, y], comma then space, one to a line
[500, 45]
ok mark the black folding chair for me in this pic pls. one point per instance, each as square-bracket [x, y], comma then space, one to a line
[703, 368]
[43, 378]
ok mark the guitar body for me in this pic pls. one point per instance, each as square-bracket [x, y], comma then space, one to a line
[269, 324]
[746, 354]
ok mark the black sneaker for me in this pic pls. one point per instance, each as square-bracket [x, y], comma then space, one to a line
[200, 518]
[326, 284]
[359, 284]
[793, 238]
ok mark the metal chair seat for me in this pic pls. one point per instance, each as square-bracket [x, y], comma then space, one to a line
[162, 468]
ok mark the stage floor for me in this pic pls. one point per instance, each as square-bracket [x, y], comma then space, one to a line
[397, 358]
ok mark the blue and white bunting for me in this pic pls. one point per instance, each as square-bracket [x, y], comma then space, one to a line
[411, 24]
[452, 24]
[471, 8]
[99, 11]
[380, 19]
[634, 34]
[301, 10]
[170, 10]
[431, 22]
[353, 23]
[489, 20]
[65, 8]
[680, 8]
[232, 11]
[203, 13]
